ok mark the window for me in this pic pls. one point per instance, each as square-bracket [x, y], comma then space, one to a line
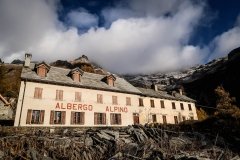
[191, 118]
[35, 116]
[154, 118]
[162, 104]
[77, 117]
[128, 101]
[38, 93]
[176, 119]
[99, 118]
[189, 107]
[59, 95]
[57, 117]
[152, 103]
[173, 105]
[183, 118]
[135, 118]
[99, 98]
[76, 77]
[164, 119]
[181, 106]
[141, 102]
[78, 96]
[115, 119]
[42, 71]
[110, 82]
[114, 100]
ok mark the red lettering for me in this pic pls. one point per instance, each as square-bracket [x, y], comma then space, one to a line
[69, 106]
[111, 109]
[74, 106]
[90, 107]
[79, 106]
[57, 106]
[115, 109]
[121, 109]
[62, 106]
[85, 107]
[125, 109]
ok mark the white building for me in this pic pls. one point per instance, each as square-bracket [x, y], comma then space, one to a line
[52, 96]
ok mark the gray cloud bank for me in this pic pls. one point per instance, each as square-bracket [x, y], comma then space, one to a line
[139, 37]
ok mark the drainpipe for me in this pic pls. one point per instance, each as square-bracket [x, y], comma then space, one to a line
[22, 103]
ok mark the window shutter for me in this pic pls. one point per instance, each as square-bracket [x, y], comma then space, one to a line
[120, 119]
[82, 118]
[51, 117]
[36, 93]
[101, 98]
[78, 96]
[72, 117]
[57, 95]
[63, 116]
[40, 93]
[29, 116]
[111, 118]
[61, 94]
[95, 118]
[42, 116]
[104, 118]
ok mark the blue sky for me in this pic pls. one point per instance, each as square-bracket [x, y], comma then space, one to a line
[123, 36]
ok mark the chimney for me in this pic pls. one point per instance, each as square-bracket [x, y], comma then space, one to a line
[28, 58]
[180, 91]
[154, 87]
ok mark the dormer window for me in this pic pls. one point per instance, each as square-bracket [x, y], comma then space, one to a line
[42, 69]
[110, 80]
[76, 74]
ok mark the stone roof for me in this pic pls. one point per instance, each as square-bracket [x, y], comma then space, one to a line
[164, 95]
[60, 76]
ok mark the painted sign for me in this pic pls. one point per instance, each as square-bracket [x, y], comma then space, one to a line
[86, 107]
[74, 106]
[116, 109]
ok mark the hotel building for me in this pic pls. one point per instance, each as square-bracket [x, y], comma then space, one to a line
[53, 96]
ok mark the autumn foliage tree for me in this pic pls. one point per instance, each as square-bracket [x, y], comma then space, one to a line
[226, 103]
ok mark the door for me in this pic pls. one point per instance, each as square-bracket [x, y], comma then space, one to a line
[135, 118]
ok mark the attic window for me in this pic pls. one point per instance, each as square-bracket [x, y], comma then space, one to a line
[42, 69]
[76, 77]
[110, 79]
[76, 74]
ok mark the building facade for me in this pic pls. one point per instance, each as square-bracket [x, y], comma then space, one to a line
[52, 96]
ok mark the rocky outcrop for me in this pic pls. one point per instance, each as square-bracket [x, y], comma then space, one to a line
[63, 64]
[17, 61]
[82, 62]
[133, 142]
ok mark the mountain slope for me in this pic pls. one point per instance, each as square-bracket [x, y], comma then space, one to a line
[199, 82]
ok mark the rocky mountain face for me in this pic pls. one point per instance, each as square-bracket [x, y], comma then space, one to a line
[82, 62]
[10, 80]
[199, 82]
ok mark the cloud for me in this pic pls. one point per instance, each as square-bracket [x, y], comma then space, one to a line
[82, 19]
[137, 39]
[225, 42]
[141, 8]
[24, 23]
